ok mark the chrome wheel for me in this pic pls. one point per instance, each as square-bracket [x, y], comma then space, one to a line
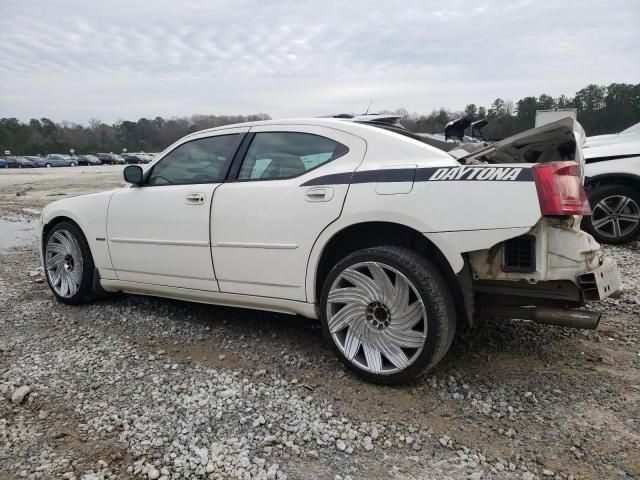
[615, 216]
[376, 318]
[63, 263]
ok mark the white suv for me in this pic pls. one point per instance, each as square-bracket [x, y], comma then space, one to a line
[391, 243]
[613, 185]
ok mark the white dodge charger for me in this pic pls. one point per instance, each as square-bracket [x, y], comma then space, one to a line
[390, 242]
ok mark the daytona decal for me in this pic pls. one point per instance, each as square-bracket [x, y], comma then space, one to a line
[476, 173]
[480, 173]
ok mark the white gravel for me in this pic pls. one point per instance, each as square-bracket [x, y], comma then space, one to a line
[149, 388]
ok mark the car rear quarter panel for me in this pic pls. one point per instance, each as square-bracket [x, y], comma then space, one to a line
[457, 216]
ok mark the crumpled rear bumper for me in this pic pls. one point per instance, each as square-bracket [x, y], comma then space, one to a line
[565, 264]
[602, 282]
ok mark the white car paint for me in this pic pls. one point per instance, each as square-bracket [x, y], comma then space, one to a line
[263, 231]
[615, 153]
[160, 234]
[630, 134]
[258, 243]
[618, 153]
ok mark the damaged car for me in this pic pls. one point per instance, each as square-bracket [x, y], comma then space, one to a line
[391, 243]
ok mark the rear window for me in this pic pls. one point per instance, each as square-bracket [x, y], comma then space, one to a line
[280, 155]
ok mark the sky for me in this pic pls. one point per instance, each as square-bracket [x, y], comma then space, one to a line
[123, 60]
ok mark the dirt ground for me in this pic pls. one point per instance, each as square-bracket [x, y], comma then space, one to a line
[122, 388]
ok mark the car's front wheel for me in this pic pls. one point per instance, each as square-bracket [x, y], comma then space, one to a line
[615, 214]
[388, 313]
[68, 264]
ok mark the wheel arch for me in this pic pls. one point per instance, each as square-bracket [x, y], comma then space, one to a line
[49, 223]
[628, 179]
[376, 233]
[52, 222]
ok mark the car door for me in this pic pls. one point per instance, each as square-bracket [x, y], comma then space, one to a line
[266, 218]
[159, 233]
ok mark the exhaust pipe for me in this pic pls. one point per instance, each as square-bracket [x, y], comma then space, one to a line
[561, 317]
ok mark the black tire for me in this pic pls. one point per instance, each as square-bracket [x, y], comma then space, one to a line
[85, 290]
[432, 288]
[606, 233]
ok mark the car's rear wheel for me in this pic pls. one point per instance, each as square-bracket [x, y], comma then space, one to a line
[388, 313]
[68, 264]
[616, 214]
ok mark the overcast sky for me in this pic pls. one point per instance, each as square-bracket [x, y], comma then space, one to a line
[112, 59]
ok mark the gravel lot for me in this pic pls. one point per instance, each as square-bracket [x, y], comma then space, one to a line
[135, 387]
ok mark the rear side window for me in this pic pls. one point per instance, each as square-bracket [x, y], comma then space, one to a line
[279, 155]
[197, 161]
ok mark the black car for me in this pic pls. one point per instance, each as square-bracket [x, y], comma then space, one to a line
[88, 160]
[132, 159]
[110, 159]
[19, 162]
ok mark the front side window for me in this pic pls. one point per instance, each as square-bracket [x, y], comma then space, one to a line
[279, 155]
[197, 161]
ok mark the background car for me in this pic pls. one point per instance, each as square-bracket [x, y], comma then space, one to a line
[133, 159]
[33, 158]
[88, 160]
[3, 163]
[110, 159]
[56, 160]
[612, 181]
[19, 162]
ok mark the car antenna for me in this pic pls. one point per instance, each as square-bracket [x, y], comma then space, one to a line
[370, 102]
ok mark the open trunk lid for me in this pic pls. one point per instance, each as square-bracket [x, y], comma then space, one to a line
[556, 141]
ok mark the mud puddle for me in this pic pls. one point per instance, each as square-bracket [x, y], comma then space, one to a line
[17, 232]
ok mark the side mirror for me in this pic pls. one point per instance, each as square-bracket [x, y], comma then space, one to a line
[133, 174]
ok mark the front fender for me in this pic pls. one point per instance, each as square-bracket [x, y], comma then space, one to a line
[90, 213]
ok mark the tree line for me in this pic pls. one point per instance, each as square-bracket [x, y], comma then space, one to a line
[601, 109]
[43, 136]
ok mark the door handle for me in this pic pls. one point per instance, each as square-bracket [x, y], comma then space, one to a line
[195, 199]
[319, 194]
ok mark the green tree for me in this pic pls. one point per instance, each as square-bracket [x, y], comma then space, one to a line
[471, 110]
[497, 108]
[546, 102]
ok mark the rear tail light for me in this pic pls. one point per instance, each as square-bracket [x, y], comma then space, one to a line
[560, 191]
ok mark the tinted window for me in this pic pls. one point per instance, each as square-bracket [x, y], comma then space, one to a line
[198, 161]
[274, 155]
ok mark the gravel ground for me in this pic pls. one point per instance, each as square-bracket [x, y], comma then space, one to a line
[135, 387]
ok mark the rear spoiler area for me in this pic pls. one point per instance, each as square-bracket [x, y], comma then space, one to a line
[556, 141]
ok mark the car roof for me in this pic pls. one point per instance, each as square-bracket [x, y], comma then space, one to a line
[379, 136]
[354, 126]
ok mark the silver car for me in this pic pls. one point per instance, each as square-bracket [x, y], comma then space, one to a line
[57, 160]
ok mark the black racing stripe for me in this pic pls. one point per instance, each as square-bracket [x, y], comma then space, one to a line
[610, 157]
[366, 176]
[332, 179]
[426, 174]
[397, 175]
